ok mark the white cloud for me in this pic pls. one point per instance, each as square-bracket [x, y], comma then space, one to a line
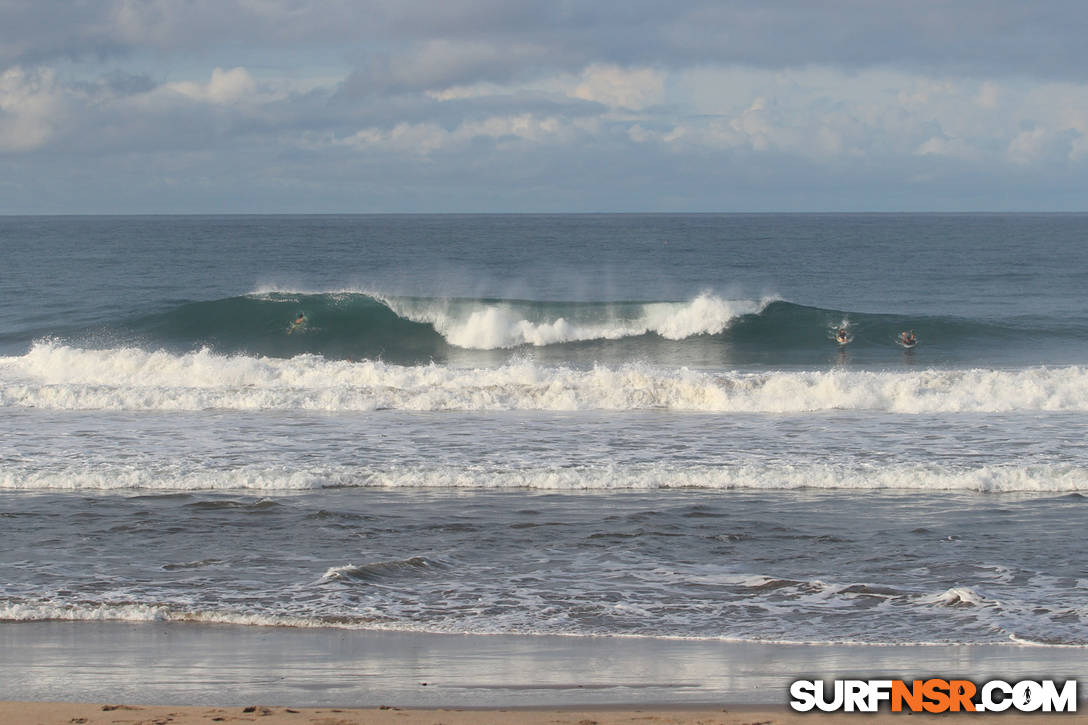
[1031, 145]
[638, 134]
[762, 127]
[423, 139]
[224, 87]
[829, 142]
[616, 87]
[824, 113]
[924, 92]
[754, 125]
[945, 146]
[476, 90]
[988, 95]
[817, 114]
[878, 124]
[30, 107]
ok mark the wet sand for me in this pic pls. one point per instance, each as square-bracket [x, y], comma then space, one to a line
[65, 672]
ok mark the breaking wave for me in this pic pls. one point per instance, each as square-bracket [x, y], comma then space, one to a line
[661, 476]
[405, 329]
[415, 330]
[493, 324]
[59, 377]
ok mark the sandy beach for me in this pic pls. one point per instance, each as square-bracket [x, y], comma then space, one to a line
[179, 663]
[61, 713]
[120, 673]
[409, 362]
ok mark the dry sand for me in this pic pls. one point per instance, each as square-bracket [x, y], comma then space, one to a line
[63, 713]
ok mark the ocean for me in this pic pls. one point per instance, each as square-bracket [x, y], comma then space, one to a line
[579, 425]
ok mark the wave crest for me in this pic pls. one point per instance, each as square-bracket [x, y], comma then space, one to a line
[483, 325]
[378, 570]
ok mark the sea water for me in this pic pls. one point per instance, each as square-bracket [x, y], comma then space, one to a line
[621, 425]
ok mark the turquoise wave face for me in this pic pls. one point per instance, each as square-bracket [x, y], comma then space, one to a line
[335, 326]
[705, 330]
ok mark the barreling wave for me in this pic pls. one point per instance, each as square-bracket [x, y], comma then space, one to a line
[1037, 478]
[406, 329]
[704, 330]
[59, 377]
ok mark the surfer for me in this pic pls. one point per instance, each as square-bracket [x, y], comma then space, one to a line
[841, 337]
[299, 322]
[907, 338]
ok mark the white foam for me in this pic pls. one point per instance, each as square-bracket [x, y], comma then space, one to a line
[958, 597]
[487, 326]
[59, 377]
[45, 612]
[341, 572]
[372, 621]
[24, 612]
[124, 478]
[658, 476]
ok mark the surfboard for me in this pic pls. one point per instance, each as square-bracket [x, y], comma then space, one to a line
[296, 324]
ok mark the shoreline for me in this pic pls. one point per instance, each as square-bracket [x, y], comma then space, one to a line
[220, 666]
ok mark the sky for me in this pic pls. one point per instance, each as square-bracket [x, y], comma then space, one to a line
[338, 106]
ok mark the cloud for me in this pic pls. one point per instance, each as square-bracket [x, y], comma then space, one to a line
[225, 86]
[424, 139]
[989, 95]
[30, 107]
[456, 41]
[945, 146]
[610, 85]
[1040, 144]
[626, 97]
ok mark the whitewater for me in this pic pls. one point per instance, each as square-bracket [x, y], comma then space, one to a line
[174, 477]
[61, 377]
[587, 425]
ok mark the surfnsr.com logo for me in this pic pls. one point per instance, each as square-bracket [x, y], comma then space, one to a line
[934, 695]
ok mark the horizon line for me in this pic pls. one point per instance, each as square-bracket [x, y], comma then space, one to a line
[542, 213]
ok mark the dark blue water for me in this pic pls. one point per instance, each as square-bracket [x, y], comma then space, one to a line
[580, 424]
